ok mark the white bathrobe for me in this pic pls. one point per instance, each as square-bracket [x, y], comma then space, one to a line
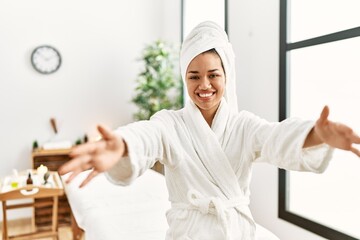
[208, 170]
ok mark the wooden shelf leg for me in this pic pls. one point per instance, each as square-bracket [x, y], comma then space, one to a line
[4, 230]
[55, 216]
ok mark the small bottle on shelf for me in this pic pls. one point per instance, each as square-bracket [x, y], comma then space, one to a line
[29, 180]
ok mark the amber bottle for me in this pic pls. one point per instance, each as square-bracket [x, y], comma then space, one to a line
[29, 180]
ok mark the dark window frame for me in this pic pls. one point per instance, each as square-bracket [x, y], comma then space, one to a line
[286, 47]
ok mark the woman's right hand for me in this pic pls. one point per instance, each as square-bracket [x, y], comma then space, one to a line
[99, 156]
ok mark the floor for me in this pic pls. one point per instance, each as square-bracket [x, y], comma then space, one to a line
[20, 226]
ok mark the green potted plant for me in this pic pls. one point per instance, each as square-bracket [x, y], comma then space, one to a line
[159, 85]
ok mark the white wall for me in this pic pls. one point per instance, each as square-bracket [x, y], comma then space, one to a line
[254, 33]
[100, 42]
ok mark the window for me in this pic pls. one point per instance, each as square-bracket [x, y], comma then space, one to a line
[319, 58]
[196, 11]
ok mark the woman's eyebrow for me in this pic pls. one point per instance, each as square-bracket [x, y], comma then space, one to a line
[211, 70]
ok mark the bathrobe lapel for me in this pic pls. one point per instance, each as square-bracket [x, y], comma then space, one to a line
[207, 144]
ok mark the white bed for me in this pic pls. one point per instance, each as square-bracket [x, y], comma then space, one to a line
[137, 212]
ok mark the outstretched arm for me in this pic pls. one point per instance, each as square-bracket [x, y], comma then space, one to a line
[334, 134]
[99, 156]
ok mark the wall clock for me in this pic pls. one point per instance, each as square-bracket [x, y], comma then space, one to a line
[46, 59]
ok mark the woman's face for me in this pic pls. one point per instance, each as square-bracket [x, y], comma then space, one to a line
[205, 80]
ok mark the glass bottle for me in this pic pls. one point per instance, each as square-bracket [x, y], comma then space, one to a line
[29, 180]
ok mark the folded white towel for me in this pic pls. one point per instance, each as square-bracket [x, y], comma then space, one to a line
[57, 145]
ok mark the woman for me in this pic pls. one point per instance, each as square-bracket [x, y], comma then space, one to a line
[208, 147]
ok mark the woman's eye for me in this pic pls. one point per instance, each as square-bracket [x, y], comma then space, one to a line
[213, 76]
[194, 77]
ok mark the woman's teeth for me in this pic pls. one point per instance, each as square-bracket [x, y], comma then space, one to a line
[204, 95]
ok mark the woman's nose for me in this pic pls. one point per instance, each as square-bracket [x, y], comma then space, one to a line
[204, 84]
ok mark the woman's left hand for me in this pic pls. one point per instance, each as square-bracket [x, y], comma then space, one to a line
[335, 134]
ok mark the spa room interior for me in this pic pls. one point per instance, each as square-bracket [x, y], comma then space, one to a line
[68, 66]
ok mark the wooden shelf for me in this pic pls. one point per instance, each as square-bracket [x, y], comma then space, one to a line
[52, 159]
[35, 191]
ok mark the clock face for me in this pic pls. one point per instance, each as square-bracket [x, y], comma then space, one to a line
[45, 59]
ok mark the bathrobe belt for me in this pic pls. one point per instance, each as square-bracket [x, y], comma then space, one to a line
[213, 205]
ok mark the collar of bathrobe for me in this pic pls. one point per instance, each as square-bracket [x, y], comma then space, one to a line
[209, 149]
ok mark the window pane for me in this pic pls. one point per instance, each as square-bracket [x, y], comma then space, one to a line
[196, 11]
[313, 18]
[328, 74]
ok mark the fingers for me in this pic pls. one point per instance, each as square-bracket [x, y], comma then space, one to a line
[87, 148]
[78, 164]
[352, 135]
[72, 176]
[341, 130]
[347, 132]
[324, 115]
[92, 174]
[354, 138]
[105, 133]
[355, 150]
[84, 157]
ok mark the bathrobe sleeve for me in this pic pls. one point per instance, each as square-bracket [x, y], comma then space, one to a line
[147, 142]
[144, 145]
[281, 144]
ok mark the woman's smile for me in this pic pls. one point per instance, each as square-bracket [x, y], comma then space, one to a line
[206, 95]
